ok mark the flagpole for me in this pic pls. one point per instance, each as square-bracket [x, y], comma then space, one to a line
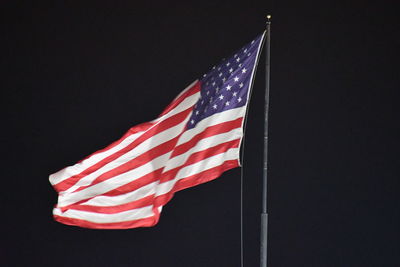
[264, 214]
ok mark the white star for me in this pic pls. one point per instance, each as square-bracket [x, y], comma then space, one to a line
[214, 68]
[228, 87]
[219, 68]
[230, 70]
[244, 70]
[227, 64]
[234, 93]
[224, 79]
[248, 54]
[227, 103]
[213, 83]
[239, 99]
[197, 112]
[208, 92]
[204, 75]
[245, 50]
[211, 99]
[236, 79]
[240, 65]
[221, 97]
[215, 106]
[192, 121]
[235, 55]
[238, 59]
[252, 42]
[220, 74]
[202, 102]
[241, 85]
[217, 89]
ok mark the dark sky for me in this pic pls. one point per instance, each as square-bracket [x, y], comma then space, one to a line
[76, 76]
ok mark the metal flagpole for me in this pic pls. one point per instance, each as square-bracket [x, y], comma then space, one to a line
[264, 214]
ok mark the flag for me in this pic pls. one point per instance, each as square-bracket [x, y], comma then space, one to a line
[194, 140]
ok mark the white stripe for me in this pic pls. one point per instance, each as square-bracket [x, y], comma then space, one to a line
[92, 160]
[104, 201]
[208, 163]
[129, 215]
[214, 119]
[185, 104]
[203, 144]
[198, 167]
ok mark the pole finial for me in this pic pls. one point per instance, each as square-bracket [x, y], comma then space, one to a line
[269, 19]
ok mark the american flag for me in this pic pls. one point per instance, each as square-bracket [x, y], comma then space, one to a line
[194, 140]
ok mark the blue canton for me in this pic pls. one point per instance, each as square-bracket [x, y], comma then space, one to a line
[226, 86]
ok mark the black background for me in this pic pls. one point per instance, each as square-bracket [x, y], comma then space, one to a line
[76, 75]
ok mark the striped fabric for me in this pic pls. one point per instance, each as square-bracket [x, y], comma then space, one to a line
[195, 139]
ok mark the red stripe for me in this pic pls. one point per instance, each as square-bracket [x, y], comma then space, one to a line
[194, 89]
[194, 180]
[136, 184]
[207, 132]
[140, 203]
[147, 222]
[199, 156]
[161, 126]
